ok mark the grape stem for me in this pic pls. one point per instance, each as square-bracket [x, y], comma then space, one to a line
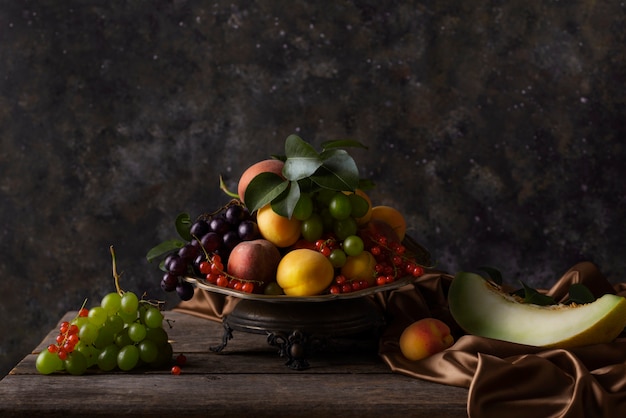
[116, 277]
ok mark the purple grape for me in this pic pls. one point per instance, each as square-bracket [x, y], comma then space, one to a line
[188, 252]
[231, 239]
[219, 225]
[169, 282]
[199, 228]
[177, 266]
[234, 214]
[211, 241]
[185, 290]
[248, 230]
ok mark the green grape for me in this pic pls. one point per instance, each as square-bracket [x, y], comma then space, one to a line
[89, 351]
[76, 363]
[111, 303]
[80, 321]
[327, 219]
[344, 228]
[148, 351]
[157, 335]
[48, 362]
[107, 359]
[128, 357]
[273, 288]
[97, 315]
[359, 204]
[337, 257]
[129, 303]
[88, 333]
[303, 208]
[340, 206]
[136, 332]
[324, 196]
[106, 336]
[122, 339]
[115, 323]
[128, 317]
[153, 317]
[312, 228]
[353, 245]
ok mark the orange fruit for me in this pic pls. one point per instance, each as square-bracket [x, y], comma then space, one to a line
[277, 229]
[392, 217]
[360, 267]
[304, 272]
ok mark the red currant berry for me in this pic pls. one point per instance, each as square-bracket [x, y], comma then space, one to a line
[381, 280]
[375, 251]
[346, 288]
[176, 370]
[181, 360]
[334, 290]
[247, 287]
[205, 267]
[221, 281]
[53, 348]
[417, 271]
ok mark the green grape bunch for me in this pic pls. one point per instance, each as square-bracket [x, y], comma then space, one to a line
[123, 333]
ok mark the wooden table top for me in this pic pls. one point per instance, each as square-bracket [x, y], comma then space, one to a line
[247, 378]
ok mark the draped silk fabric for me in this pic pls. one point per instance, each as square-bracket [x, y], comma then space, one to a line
[502, 378]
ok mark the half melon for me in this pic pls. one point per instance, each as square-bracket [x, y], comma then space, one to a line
[482, 308]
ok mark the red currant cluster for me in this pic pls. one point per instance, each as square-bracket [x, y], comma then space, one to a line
[68, 337]
[393, 262]
[213, 270]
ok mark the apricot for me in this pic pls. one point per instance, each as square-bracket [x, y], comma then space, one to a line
[424, 338]
[255, 260]
[360, 267]
[391, 216]
[263, 166]
[277, 229]
[304, 272]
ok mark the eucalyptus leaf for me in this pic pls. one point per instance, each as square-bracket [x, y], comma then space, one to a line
[580, 294]
[535, 297]
[183, 226]
[164, 248]
[264, 188]
[286, 202]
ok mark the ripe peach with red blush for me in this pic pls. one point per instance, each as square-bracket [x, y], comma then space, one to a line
[263, 166]
[424, 338]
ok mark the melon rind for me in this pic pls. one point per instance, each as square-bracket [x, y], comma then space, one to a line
[483, 309]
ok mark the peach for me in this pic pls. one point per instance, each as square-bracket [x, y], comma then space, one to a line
[277, 229]
[263, 166]
[424, 338]
[255, 260]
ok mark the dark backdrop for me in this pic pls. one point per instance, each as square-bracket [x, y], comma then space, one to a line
[497, 127]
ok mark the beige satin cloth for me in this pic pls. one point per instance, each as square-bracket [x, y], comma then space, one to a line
[504, 379]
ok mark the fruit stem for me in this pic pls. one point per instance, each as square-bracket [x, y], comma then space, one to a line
[116, 277]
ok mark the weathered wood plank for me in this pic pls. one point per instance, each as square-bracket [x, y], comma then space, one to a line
[247, 378]
[229, 395]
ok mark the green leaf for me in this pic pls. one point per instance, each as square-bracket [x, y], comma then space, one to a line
[494, 274]
[339, 171]
[302, 159]
[579, 293]
[264, 188]
[164, 248]
[535, 297]
[286, 202]
[183, 226]
[342, 143]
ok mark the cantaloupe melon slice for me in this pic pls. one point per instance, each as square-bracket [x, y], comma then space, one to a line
[481, 308]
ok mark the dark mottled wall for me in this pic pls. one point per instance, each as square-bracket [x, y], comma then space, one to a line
[497, 127]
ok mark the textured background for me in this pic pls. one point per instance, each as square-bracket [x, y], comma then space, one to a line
[496, 127]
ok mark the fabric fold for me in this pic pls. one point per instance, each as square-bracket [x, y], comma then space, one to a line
[502, 378]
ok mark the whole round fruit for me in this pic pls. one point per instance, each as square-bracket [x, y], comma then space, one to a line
[392, 217]
[304, 272]
[360, 267]
[277, 229]
[339, 206]
[264, 166]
